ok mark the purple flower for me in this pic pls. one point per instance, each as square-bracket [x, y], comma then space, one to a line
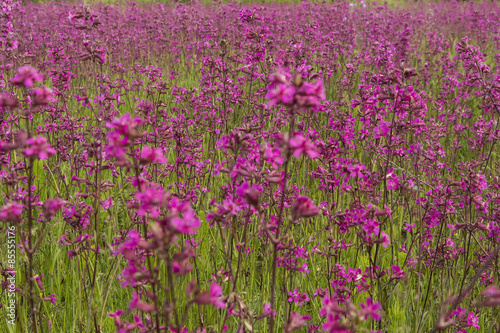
[280, 93]
[370, 309]
[187, 224]
[216, 296]
[152, 156]
[296, 322]
[52, 299]
[473, 320]
[43, 96]
[11, 212]
[26, 77]
[299, 144]
[136, 303]
[304, 207]
[38, 147]
[355, 170]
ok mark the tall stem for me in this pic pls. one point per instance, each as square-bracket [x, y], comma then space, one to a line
[280, 216]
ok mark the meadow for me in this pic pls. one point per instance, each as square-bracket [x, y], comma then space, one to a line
[230, 167]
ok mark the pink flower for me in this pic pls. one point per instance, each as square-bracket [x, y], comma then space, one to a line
[371, 227]
[296, 322]
[356, 170]
[151, 200]
[11, 212]
[397, 273]
[280, 93]
[38, 147]
[125, 125]
[267, 309]
[43, 96]
[370, 309]
[6, 100]
[310, 94]
[187, 224]
[116, 316]
[136, 303]
[304, 207]
[51, 206]
[152, 156]
[249, 193]
[273, 157]
[299, 144]
[473, 320]
[26, 77]
[52, 299]
[216, 295]
[392, 181]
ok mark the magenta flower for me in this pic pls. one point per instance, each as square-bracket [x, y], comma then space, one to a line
[43, 96]
[310, 94]
[26, 77]
[273, 157]
[267, 309]
[280, 93]
[136, 303]
[355, 170]
[116, 316]
[51, 206]
[304, 207]
[249, 193]
[300, 145]
[371, 227]
[38, 147]
[7, 100]
[370, 309]
[52, 299]
[151, 200]
[296, 322]
[473, 320]
[152, 156]
[11, 212]
[187, 224]
[216, 295]
[392, 180]
[397, 273]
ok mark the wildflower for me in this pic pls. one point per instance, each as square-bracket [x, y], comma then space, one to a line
[267, 309]
[6, 100]
[299, 144]
[136, 303]
[249, 193]
[296, 322]
[281, 93]
[473, 320]
[52, 299]
[26, 77]
[215, 297]
[151, 200]
[355, 170]
[397, 273]
[304, 207]
[370, 309]
[38, 147]
[51, 206]
[152, 156]
[11, 212]
[38, 279]
[310, 94]
[187, 224]
[371, 227]
[43, 96]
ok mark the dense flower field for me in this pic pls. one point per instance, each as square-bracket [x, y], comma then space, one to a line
[316, 167]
